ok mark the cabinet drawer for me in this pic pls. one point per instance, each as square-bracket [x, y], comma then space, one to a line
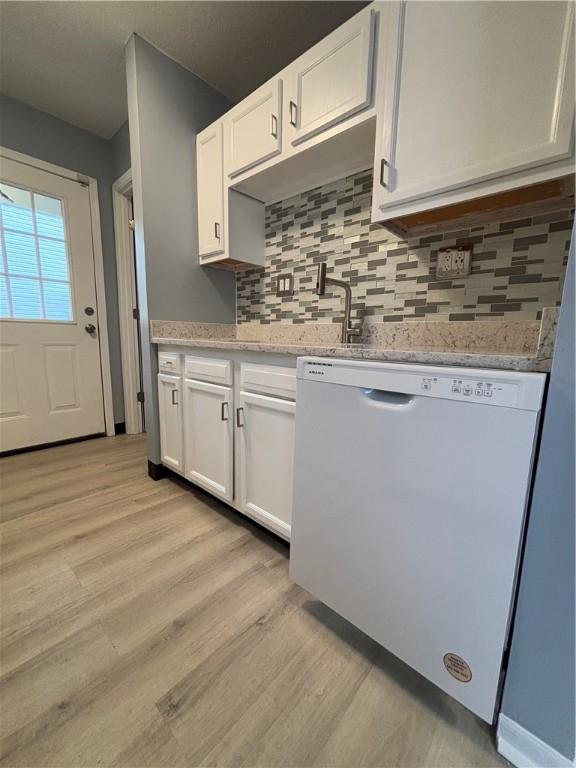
[169, 362]
[205, 369]
[269, 380]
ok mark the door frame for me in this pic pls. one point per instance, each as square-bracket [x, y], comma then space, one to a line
[92, 184]
[126, 278]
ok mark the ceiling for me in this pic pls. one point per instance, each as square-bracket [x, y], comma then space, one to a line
[67, 58]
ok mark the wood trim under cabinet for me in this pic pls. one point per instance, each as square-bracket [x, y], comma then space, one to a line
[524, 201]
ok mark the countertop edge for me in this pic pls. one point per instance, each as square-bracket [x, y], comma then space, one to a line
[359, 352]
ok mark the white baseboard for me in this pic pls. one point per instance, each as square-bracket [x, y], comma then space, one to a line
[525, 750]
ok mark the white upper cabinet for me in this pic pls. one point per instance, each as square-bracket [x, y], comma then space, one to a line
[253, 129]
[208, 431]
[332, 81]
[169, 405]
[470, 94]
[211, 225]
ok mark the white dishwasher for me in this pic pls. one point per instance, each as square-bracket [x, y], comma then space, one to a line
[410, 492]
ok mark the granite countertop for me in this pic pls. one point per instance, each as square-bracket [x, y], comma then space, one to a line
[531, 351]
[366, 352]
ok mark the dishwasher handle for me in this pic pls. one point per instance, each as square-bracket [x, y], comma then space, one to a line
[388, 398]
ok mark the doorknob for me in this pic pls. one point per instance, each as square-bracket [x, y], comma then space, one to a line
[91, 329]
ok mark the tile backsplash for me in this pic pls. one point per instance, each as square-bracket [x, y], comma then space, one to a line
[517, 266]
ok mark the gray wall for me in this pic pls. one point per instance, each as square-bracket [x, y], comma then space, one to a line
[540, 685]
[120, 143]
[167, 107]
[47, 138]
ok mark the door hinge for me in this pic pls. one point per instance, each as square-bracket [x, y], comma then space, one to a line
[131, 224]
[140, 397]
[136, 313]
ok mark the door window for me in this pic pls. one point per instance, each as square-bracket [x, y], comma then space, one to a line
[34, 263]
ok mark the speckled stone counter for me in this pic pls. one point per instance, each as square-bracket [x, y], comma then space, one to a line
[500, 345]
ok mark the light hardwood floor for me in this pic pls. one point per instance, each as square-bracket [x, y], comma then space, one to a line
[147, 625]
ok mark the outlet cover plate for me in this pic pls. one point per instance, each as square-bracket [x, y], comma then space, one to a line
[454, 262]
[285, 285]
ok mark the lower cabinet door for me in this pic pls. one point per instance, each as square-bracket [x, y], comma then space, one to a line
[265, 431]
[170, 413]
[209, 437]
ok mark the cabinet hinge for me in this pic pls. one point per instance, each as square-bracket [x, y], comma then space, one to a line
[136, 313]
[131, 224]
[140, 397]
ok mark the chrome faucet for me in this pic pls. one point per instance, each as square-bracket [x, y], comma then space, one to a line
[348, 332]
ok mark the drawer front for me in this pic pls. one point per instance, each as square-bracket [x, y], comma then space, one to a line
[269, 380]
[205, 369]
[170, 362]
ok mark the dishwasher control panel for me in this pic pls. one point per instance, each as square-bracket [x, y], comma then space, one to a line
[496, 388]
[475, 389]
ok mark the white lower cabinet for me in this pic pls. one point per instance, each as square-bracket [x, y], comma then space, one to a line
[209, 437]
[227, 425]
[170, 411]
[265, 433]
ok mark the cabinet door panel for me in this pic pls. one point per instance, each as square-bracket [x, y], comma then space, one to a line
[253, 129]
[473, 91]
[170, 413]
[208, 435]
[266, 445]
[333, 80]
[211, 227]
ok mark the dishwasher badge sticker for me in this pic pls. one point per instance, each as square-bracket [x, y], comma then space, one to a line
[457, 667]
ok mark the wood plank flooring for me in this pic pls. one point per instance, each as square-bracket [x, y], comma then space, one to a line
[147, 625]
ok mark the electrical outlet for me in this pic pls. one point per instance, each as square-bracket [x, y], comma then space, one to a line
[454, 262]
[284, 285]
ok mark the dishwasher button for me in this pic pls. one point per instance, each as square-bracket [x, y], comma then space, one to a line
[467, 389]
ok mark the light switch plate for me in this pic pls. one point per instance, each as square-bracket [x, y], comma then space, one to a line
[454, 262]
[285, 285]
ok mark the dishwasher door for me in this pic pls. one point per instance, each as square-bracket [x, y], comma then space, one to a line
[408, 519]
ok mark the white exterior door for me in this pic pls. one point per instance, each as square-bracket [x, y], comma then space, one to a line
[333, 80]
[472, 91]
[253, 129]
[210, 191]
[266, 459]
[170, 414]
[51, 379]
[208, 435]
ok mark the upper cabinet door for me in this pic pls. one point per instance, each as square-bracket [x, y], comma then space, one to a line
[471, 92]
[211, 229]
[253, 129]
[333, 80]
